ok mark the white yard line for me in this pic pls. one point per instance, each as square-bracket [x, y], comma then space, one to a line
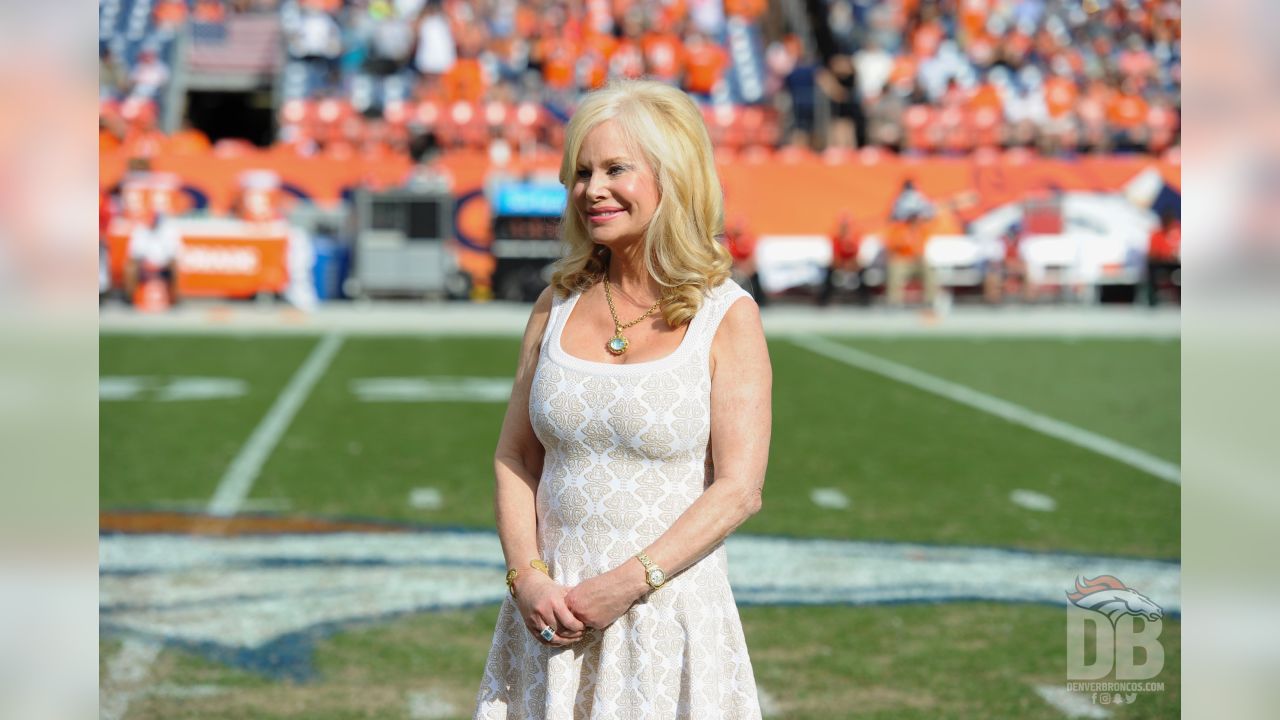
[130, 667]
[243, 471]
[829, 498]
[426, 498]
[1004, 409]
[1033, 500]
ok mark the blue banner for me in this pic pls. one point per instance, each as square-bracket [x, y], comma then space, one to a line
[528, 200]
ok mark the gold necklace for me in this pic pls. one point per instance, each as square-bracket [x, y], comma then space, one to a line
[618, 344]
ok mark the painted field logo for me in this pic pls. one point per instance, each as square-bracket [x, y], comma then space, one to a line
[1121, 621]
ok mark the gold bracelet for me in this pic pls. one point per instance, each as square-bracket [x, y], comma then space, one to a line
[512, 574]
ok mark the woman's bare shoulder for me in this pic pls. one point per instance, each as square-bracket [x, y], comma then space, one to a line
[739, 340]
[538, 317]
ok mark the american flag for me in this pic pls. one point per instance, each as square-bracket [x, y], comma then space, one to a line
[248, 43]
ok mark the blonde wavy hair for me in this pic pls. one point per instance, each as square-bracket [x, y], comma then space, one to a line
[681, 247]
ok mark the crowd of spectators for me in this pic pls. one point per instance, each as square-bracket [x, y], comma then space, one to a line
[1058, 76]
[465, 72]
[931, 76]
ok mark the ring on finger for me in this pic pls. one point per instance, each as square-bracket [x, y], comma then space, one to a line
[547, 633]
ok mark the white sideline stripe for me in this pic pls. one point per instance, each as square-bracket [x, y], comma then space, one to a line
[125, 676]
[829, 498]
[1071, 704]
[238, 480]
[1003, 409]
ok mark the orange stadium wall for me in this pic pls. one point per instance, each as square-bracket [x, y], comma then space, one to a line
[773, 194]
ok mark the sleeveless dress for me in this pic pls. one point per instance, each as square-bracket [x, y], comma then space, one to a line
[626, 454]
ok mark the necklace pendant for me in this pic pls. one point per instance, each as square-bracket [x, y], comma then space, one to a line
[617, 345]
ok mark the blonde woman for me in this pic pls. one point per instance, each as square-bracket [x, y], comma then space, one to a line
[636, 439]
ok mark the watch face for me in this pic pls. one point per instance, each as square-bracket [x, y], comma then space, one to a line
[656, 577]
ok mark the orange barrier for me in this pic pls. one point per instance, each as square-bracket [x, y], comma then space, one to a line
[232, 266]
[779, 192]
[219, 264]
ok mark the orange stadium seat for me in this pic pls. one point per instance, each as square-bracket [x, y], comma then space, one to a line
[525, 125]
[920, 127]
[987, 126]
[956, 128]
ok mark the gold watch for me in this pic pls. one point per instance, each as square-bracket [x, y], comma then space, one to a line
[654, 575]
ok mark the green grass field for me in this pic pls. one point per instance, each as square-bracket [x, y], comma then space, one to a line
[915, 467]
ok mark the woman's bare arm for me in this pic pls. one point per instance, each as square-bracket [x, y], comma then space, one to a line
[741, 423]
[517, 468]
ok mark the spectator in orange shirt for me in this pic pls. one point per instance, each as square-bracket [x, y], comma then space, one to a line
[928, 35]
[1060, 94]
[986, 95]
[558, 58]
[464, 81]
[1127, 116]
[746, 9]
[705, 63]
[663, 56]
[170, 13]
[627, 58]
[210, 11]
[1164, 257]
[906, 239]
[592, 69]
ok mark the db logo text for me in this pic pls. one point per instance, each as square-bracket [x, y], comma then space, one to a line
[1121, 626]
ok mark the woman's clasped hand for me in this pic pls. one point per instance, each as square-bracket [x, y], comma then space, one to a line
[541, 601]
[574, 612]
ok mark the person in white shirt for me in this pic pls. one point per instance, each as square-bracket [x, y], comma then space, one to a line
[437, 51]
[149, 76]
[153, 251]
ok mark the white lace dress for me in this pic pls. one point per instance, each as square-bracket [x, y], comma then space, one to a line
[626, 454]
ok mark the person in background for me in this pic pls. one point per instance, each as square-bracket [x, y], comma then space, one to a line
[149, 75]
[801, 83]
[839, 80]
[845, 243]
[1164, 256]
[908, 223]
[1008, 268]
[104, 225]
[153, 252]
[436, 51]
[113, 80]
[741, 243]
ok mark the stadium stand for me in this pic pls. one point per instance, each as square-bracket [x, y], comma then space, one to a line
[925, 76]
[340, 96]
